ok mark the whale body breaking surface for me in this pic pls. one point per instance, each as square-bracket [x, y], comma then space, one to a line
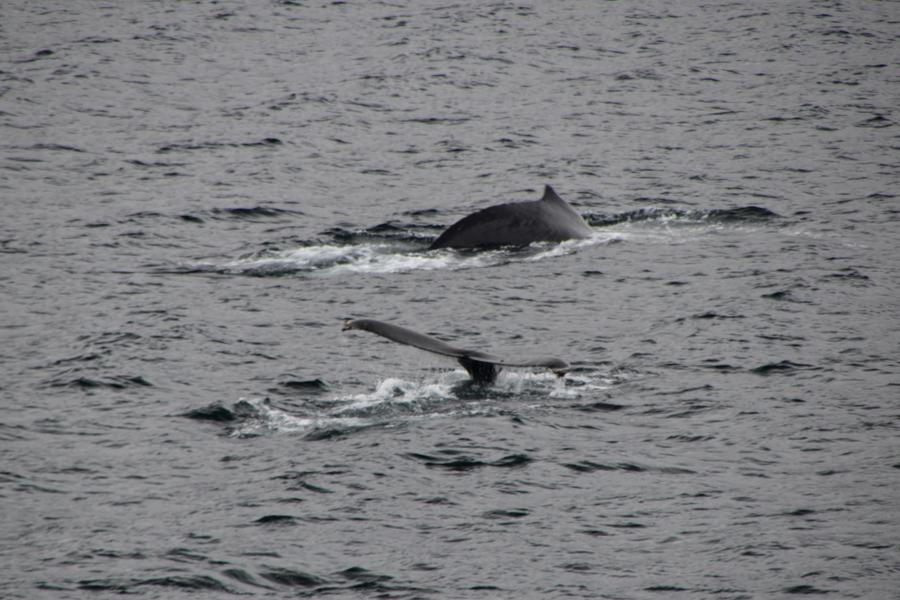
[550, 219]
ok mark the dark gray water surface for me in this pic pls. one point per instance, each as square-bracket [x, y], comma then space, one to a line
[195, 194]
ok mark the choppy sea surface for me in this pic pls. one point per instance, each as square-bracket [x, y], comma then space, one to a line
[194, 195]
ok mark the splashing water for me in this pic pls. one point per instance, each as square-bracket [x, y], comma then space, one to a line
[394, 400]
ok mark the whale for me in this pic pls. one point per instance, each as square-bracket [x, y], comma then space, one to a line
[549, 219]
[482, 367]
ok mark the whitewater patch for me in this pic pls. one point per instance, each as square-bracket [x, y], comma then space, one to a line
[381, 258]
[394, 401]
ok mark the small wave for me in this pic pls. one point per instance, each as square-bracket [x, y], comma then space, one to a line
[184, 582]
[389, 231]
[115, 382]
[305, 385]
[56, 148]
[191, 146]
[266, 577]
[260, 213]
[675, 216]
[292, 577]
[466, 460]
[253, 212]
[785, 367]
[589, 466]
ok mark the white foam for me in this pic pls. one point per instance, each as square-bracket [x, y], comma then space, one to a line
[395, 263]
[271, 419]
[380, 258]
[362, 258]
[556, 249]
[400, 391]
[395, 398]
[308, 258]
[580, 386]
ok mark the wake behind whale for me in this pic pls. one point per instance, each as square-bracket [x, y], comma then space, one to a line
[500, 234]
[373, 257]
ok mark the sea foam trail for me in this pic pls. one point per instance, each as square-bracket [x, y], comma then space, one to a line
[335, 259]
[376, 258]
[265, 418]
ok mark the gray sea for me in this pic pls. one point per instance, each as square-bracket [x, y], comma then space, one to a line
[195, 195]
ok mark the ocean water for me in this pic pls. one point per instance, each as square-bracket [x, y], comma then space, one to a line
[195, 195]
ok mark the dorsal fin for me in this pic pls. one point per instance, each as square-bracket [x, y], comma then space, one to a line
[550, 195]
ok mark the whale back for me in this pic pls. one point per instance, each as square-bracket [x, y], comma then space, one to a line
[549, 219]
